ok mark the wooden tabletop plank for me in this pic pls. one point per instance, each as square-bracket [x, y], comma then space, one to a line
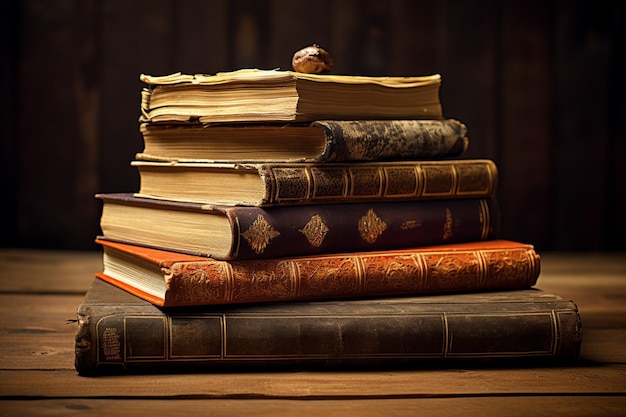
[388, 383]
[584, 263]
[47, 271]
[511, 406]
[36, 331]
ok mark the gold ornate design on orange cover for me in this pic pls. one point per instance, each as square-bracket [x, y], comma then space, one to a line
[315, 230]
[402, 274]
[338, 276]
[273, 280]
[259, 234]
[510, 264]
[454, 271]
[310, 278]
[371, 226]
[200, 283]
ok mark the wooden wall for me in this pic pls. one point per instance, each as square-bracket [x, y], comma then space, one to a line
[540, 85]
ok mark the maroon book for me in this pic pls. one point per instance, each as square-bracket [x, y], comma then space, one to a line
[242, 232]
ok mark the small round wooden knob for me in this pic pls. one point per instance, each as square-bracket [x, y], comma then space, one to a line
[312, 60]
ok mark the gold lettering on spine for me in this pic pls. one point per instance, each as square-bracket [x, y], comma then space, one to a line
[315, 230]
[410, 224]
[371, 226]
[111, 345]
[260, 234]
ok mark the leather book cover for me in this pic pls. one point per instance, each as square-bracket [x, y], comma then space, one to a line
[118, 332]
[322, 141]
[274, 232]
[185, 280]
[273, 184]
[371, 140]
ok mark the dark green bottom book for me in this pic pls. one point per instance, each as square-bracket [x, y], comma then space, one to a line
[119, 332]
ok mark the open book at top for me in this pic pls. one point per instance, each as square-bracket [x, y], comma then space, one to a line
[258, 75]
[254, 95]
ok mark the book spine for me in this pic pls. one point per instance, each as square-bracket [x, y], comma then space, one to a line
[85, 352]
[319, 184]
[115, 339]
[350, 275]
[371, 140]
[317, 229]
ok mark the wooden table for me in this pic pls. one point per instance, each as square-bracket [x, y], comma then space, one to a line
[40, 290]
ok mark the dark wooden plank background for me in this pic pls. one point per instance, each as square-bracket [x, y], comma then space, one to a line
[540, 85]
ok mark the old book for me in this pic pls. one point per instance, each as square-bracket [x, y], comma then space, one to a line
[320, 141]
[253, 95]
[243, 232]
[119, 332]
[304, 183]
[169, 279]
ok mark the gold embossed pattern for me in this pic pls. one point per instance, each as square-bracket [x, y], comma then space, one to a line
[315, 230]
[371, 226]
[260, 234]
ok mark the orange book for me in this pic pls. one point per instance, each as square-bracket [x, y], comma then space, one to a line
[173, 279]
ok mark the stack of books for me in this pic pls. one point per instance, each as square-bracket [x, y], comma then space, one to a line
[294, 219]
